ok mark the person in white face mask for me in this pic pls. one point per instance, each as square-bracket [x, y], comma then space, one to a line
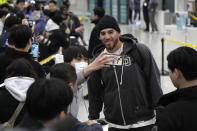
[77, 56]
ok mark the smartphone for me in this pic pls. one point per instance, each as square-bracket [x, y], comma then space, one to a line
[31, 23]
[34, 50]
[118, 61]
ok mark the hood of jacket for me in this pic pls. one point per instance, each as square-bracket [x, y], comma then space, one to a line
[189, 93]
[18, 86]
[129, 43]
[51, 25]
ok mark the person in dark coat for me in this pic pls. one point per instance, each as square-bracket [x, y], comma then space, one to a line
[20, 37]
[52, 8]
[20, 75]
[54, 39]
[145, 14]
[47, 102]
[152, 13]
[20, 4]
[94, 37]
[72, 24]
[137, 9]
[180, 106]
[128, 90]
[10, 22]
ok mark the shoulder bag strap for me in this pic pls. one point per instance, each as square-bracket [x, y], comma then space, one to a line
[12, 120]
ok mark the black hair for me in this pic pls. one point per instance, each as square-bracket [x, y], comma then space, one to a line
[65, 72]
[10, 22]
[19, 1]
[52, 1]
[20, 36]
[46, 12]
[184, 59]
[5, 5]
[57, 17]
[20, 16]
[46, 98]
[99, 11]
[75, 52]
[66, 3]
[21, 67]
[3, 13]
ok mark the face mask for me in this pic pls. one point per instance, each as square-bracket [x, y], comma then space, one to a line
[36, 15]
[80, 66]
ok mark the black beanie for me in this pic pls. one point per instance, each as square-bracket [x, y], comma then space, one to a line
[108, 22]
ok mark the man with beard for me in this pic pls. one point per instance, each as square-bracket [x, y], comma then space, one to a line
[128, 87]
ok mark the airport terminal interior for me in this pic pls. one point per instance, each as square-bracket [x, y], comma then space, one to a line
[176, 22]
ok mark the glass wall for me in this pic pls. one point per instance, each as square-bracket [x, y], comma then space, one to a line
[123, 11]
[91, 5]
[115, 9]
[107, 7]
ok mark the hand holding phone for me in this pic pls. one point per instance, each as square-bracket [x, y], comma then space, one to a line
[118, 60]
[34, 50]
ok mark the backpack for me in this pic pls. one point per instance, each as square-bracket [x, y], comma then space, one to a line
[134, 52]
[137, 56]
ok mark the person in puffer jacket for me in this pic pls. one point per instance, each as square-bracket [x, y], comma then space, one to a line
[20, 75]
[129, 87]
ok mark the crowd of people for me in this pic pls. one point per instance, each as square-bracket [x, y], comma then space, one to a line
[122, 75]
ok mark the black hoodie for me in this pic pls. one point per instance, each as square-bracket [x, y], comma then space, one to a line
[138, 95]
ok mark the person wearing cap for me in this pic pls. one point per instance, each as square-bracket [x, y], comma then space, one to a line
[130, 89]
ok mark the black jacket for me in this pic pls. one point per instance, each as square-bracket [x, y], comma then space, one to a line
[50, 46]
[138, 95]
[179, 113]
[33, 125]
[10, 55]
[94, 40]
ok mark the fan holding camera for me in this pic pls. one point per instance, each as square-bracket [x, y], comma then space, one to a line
[130, 87]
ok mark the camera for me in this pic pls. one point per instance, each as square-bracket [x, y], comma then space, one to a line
[118, 61]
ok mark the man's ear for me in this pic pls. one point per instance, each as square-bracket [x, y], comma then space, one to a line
[73, 87]
[178, 73]
[70, 84]
[61, 115]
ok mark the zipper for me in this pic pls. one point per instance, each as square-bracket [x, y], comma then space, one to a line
[120, 84]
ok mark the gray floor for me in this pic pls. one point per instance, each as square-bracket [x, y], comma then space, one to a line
[153, 41]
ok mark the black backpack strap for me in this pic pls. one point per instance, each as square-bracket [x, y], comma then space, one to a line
[137, 56]
[139, 59]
